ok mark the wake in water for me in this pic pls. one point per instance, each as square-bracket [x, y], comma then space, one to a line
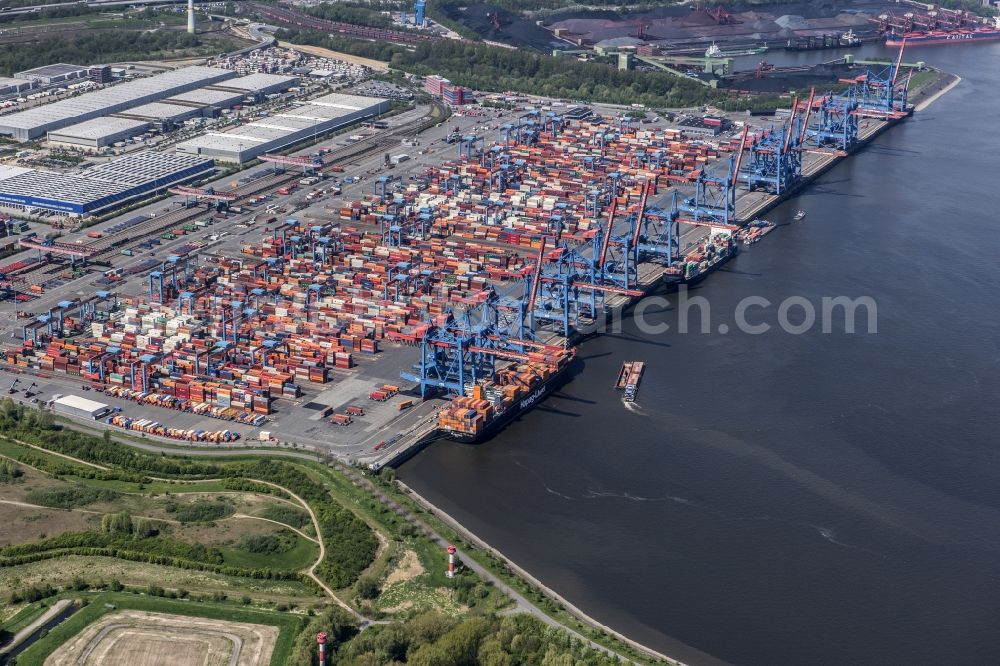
[542, 481]
[633, 407]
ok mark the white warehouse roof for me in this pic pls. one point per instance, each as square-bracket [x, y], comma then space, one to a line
[261, 82]
[283, 129]
[161, 111]
[35, 122]
[81, 403]
[99, 128]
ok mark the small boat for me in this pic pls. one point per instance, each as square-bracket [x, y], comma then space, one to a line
[629, 378]
[799, 215]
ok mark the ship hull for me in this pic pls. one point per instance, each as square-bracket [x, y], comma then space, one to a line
[719, 261]
[524, 404]
[921, 39]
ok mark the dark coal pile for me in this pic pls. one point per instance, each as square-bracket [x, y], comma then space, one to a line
[514, 29]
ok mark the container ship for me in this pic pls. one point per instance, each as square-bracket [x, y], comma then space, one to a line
[715, 251]
[491, 405]
[629, 378]
[944, 36]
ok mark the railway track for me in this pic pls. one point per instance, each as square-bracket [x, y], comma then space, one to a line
[298, 19]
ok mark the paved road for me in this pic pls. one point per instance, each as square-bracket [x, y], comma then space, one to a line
[43, 619]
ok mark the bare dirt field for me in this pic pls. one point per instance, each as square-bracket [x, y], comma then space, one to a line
[336, 55]
[22, 524]
[158, 639]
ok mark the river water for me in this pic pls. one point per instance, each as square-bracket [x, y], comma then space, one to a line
[790, 499]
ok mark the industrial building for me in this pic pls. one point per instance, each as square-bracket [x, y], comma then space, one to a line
[74, 405]
[708, 126]
[36, 122]
[56, 73]
[100, 188]
[10, 86]
[280, 130]
[208, 100]
[97, 133]
[259, 85]
[442, 88]
[161, 114]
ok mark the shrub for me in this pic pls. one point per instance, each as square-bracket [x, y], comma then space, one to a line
[68, 497]
[9, 471]
[202, 510]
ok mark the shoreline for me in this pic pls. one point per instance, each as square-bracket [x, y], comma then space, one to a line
[524, 574]
[939, 94]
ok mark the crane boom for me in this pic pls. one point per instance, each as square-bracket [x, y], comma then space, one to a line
[739, 156]
[809, 108]
[791, 123]
[899, 61]
[499, 353]
[607, 233]
[642, 213]
[537, 278]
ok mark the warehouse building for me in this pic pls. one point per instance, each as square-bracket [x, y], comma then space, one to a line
[207, 100]
[162, 115]
[56, 73]
[103, 187]
[92, 135]
[74, 405]
[281, 130]
[10, 86]
[259, 85]
[37, 122]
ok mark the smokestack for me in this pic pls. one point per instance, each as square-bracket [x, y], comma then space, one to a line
[451, 561]
[191, 16]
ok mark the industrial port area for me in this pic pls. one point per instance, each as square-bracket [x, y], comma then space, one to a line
[362, 300]
[300, 253]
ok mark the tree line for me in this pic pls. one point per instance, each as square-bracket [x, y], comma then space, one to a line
[488, 68]
[88, 48]
[349, 543]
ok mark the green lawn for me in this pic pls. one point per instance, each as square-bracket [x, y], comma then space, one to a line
[290, 625]
[300, 556]
[23, 617]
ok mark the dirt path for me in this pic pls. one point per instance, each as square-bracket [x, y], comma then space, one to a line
[276, 522]
[26, 505]
[310, 572]
[63, 455]
[57, 608]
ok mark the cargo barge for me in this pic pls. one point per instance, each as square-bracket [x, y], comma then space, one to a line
[756, 230]
[491, 405]
[629, 378]
[714, 252]
[820, 42]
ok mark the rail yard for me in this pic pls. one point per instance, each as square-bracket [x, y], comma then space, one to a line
[362, 300]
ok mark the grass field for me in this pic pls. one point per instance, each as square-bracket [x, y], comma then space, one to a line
[23, 617]
[62, 571]
[107, 603]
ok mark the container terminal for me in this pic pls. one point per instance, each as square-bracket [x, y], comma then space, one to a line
[445, 298]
